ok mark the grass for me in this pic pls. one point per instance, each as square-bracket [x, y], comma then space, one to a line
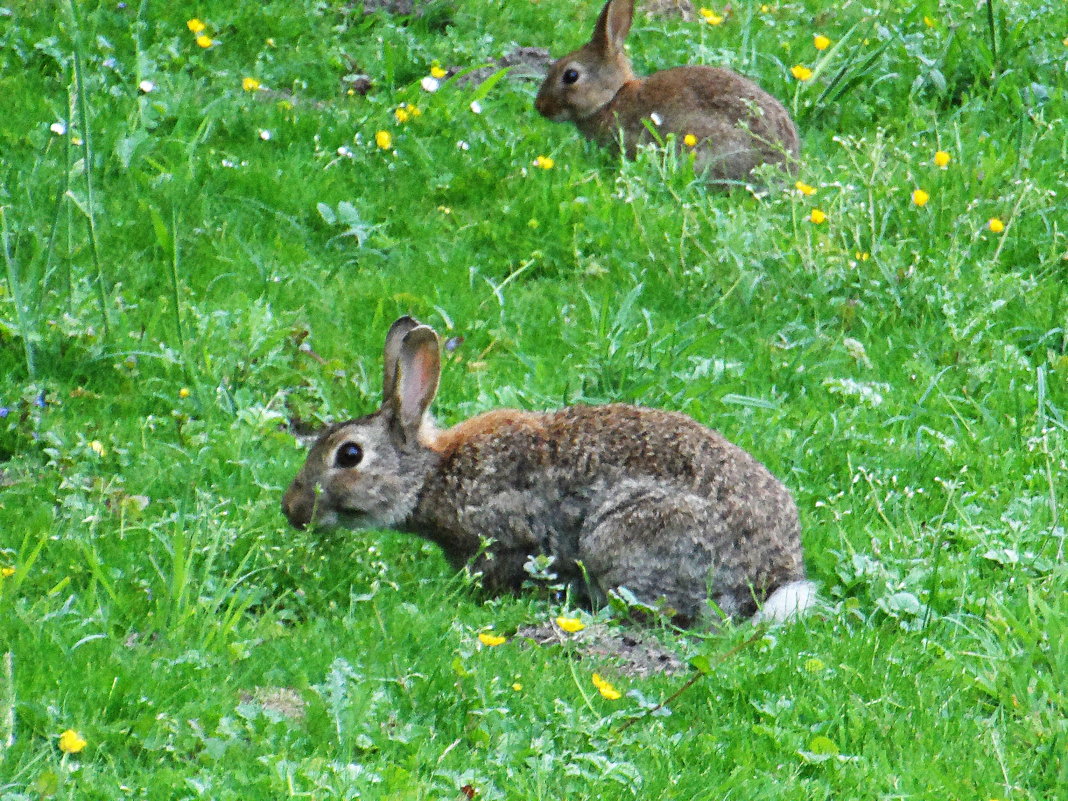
[219, 261]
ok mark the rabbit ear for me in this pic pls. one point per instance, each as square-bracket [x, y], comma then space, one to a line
[418, 372]
[391, 353]
[612, 26]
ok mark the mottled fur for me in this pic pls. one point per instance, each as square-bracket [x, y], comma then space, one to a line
[645, 499]
[737, 124]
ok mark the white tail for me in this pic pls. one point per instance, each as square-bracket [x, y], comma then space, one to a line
[789, 601]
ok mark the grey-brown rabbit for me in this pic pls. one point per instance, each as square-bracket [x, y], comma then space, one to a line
[736, 126]
[644, 499]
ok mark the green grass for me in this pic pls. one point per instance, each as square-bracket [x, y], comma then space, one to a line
[903, 369]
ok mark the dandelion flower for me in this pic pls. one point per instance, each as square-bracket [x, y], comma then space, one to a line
[437, 72]
[250, 84]
[930, 23]
[862, 255]
[7, 572]
[920, 198]
[801, 72]
[430, 83]
[384, 140]
[544, 162]
[996, 225]
[70, 742]
[205, 41]
[183, 392]
[817, 217]
[517, 687]
[97, 447]
[821, 42]
[804, 188]
[402, 114]
[196, 26]
[689, 140]
[942, 159]
[570, 624]
[606, 689]
[711, 17]
[490, 640]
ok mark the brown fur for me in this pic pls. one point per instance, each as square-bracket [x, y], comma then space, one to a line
[738, 126]
[618, 495]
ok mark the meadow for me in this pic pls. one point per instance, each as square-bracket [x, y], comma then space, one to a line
[212, 212]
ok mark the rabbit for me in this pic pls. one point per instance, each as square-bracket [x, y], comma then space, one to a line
[737, 125]
[618, 495]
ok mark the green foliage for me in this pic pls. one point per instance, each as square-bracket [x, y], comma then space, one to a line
[189, 265]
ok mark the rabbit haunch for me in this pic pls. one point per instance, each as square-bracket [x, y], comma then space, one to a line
[737, 126]
[644, 499]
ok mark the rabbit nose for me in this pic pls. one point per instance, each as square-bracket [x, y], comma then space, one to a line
[296, 512]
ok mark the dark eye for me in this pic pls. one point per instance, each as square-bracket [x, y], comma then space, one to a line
[570, 75]
[348, 455]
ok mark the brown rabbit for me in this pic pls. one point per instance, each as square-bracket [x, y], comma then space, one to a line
[620, 496]
[736, 124]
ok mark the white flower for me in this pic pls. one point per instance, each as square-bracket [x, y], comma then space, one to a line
[430, 84]
[58, 128]
[344, 152]
[476, 107]
[265, 135]
[657, 119]
[463, 145]
[146, 86]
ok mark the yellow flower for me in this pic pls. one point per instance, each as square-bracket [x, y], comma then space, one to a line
[764, 9]
[250, 84]
[942, 158]
[711, 17]
[545, 162]
[402, 114]
[196, 26]
[930, 23]
[920, 198]
[97, 447]
[814, 665]
[183, 392]
[821, 42]
[488, 639]
[862, 255]
[801, 72]
[70, 742]
[517, 686]
[205, 41]
[804, 188]
[437, 72]
[606, 689]
[689, 140]
[384, 139]
[570, 624]
[7, 572]
[270, 41]
[996, 225]
[817, 217]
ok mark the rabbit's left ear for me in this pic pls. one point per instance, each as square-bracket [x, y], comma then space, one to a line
[418, 373]
[613, 26]
[391, 353]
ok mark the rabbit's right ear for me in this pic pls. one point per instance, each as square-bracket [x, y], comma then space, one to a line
[613, 26]
[391, 353]
[418, 372]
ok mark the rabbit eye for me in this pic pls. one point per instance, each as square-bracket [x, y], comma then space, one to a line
[348, 455]
[570, 75]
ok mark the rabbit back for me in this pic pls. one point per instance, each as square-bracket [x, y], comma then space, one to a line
[646, 499]
[738, 126]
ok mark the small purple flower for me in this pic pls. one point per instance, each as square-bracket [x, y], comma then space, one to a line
[4, 412]
[39, 401]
